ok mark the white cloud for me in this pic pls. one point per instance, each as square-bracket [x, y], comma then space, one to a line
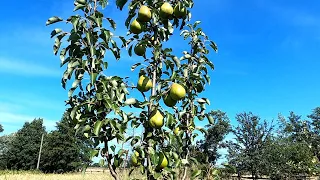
[25, 68]
[13, 121]
[292, 15]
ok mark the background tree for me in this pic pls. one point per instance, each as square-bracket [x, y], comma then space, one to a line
[5, 140]
[251, 139]
[23, 150]
[315, 132]
[63, 149]
[286, 158]
[217, 131]
[295, 128]
[1, 128]
[206, 150]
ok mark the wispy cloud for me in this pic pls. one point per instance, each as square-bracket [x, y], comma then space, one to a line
[290, 14]
[24, 101]
[26, 68]
[13, 121]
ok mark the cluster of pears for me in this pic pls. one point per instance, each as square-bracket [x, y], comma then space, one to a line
[166, 12]
[162, 163]
[145, 15]
[177, 92]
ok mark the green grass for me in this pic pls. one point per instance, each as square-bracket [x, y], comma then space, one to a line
[36, 175]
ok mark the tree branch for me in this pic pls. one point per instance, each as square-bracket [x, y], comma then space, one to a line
[112, 171]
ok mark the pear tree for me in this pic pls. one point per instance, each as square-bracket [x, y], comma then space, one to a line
[169, 83]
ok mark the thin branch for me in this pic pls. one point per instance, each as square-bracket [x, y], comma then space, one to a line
[106, 155]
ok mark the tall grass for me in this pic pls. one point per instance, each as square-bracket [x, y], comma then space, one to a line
[36, 175]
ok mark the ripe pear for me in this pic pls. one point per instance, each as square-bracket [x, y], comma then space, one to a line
[176, 131]
[156, 119]
[135, 160]
[144, 84]
[163, 161]
[168, 101]
[180, 11]
[144, 14]
[135, 27]
[166, 10]
[136, 153]
[177, 92]
[140, 50]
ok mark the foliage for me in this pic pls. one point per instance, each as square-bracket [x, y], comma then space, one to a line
[63, 151]
[1, 128]
[23, 150]
[84, 55]
[295, 128]
[315, 132]
[251, 139]
[5, 140]
[215, 136]
[87, 45]
[287, 158]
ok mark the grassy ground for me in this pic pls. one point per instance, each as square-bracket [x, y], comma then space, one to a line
[25, 175]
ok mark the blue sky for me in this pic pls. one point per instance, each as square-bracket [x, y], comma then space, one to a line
[268, 59]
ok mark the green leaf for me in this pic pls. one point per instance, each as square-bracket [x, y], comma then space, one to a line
[194, 160]
[103, 3]
[175, 156]
[149, 134]
[196, 24]
[113, 148]
[121, 152]
[55, 32]
[78, 6]
[173, 76]
[134, 140]
[133, 67]
[176, 61]
[201, 100]
[112, 23]
[73, 112]
[101, 162]
[86, 135]
[121, 3]
[130, 50]
[97, 127]
[214, 46]
[210, 119]
[207, 77]
[53, 20]
[86, 128]
[94, 153]
[62, 55]
[123, 41]
[195, 173]
[81, 1]
[56, 46]
[170, 119]
[74, 87]
[116, 162]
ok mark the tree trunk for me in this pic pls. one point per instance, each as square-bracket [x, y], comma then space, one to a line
[112, 171]
[154, 74]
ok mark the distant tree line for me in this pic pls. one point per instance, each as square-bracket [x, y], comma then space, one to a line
[280, 149]
[288, 148]
[63, 150]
